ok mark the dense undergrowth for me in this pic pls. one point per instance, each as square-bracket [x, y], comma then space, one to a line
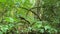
[19, 17]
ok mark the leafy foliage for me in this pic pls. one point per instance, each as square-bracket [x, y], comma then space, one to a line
[18, 17]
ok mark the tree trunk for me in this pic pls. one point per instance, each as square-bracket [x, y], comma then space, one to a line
[38, 9]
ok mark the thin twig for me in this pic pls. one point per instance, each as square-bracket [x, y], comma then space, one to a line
[24, 19]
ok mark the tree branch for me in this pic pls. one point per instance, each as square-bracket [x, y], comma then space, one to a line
[32, 12]
[24, 19]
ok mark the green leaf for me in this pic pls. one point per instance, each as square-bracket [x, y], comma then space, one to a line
[47, 27]
[42, 30]
[9, 19]
[4, 28]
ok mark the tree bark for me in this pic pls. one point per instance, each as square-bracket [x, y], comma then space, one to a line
[37, 10]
